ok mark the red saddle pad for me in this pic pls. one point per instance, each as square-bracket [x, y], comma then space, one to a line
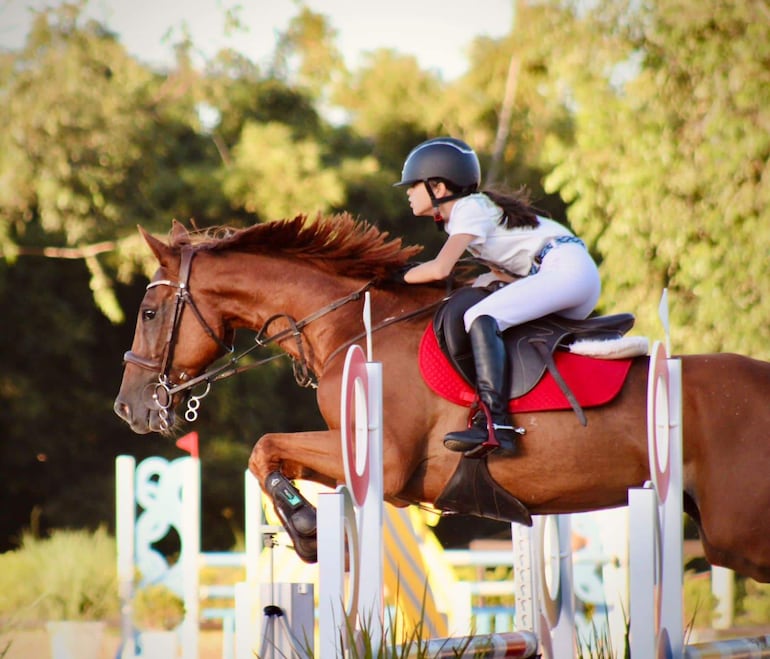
[593, 381]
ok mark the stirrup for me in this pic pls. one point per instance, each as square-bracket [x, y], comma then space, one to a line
[517, 429]
[491, 426]
[492, 443]
[483, 446]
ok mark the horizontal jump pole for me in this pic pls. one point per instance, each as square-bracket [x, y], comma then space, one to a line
[519, 645]
[223, 559]
[756, 647]
[478, 557]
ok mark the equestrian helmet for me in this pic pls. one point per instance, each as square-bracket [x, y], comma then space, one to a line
[444, 158]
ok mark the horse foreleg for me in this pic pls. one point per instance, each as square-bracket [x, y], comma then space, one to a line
[276, 458]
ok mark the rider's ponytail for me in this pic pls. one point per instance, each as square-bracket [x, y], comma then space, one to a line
[517, 211]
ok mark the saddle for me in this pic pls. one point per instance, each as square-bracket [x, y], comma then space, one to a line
[529, 346]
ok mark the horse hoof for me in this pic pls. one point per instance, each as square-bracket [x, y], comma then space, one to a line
[296, 514]
[305, 542]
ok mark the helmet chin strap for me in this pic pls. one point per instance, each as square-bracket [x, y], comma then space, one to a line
[438, 218]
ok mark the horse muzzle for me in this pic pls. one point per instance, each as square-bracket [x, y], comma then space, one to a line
[143, 419]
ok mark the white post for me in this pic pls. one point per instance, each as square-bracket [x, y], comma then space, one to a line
[190, 556]
[526, 617]
[664, 438]
[643, 556]
[370, 610]
[247, 592]
[253, 532]
[244, 621]
[460, 612]
[559, 592]
[723, 588]
[331, 574]
[228, 638]
[672, 610]
[125, 514]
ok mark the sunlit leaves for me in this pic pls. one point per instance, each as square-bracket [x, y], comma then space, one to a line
[389, 89]
[306, 53]
[667, 172]
[74, 144]
[276, 176]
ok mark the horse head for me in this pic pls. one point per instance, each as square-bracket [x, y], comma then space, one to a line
[160, 369]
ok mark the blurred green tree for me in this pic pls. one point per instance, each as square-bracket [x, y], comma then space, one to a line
[273, 175]
[306, 55]
[666, 172]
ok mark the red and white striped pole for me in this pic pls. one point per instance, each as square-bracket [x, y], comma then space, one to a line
[521, 644]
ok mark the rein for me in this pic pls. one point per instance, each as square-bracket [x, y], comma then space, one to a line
[386, 323]
[165, 389]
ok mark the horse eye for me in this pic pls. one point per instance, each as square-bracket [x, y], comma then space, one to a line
[148, 314]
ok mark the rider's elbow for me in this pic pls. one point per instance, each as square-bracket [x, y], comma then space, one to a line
[442, 270]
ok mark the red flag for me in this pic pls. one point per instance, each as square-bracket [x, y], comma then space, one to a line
[189, 443]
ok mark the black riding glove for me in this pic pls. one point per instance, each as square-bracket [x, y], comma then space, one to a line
[397, 275]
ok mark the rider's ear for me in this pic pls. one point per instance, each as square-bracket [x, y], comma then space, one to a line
[162, 251]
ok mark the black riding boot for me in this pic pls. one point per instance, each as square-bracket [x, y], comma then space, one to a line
[491, 426]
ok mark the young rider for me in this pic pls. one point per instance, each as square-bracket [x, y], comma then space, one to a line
[546, 269]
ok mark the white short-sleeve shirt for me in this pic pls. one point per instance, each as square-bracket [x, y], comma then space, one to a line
[513, 249]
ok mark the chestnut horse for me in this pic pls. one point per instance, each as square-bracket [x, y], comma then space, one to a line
[299, 283]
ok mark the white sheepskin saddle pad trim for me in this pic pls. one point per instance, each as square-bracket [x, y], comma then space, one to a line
[622, 348]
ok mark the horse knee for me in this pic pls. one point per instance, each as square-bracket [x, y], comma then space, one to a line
[263, 458]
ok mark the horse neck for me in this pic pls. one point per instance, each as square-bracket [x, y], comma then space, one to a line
[248, 290]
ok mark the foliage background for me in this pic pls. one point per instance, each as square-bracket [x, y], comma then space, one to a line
[644, 125]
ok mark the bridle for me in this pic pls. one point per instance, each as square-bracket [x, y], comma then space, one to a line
[166, 389]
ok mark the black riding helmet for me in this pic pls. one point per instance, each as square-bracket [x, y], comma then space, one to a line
[445, 158]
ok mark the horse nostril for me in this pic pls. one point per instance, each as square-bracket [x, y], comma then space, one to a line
[122, 410]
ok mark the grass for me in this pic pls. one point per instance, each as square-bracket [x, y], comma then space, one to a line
[68, 576]
[398, 639]
[598, 643]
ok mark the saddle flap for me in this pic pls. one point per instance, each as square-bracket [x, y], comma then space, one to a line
[526, 361]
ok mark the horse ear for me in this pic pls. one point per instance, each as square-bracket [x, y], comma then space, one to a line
[159, 248]
[179, 234]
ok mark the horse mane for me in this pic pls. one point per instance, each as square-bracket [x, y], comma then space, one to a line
[336, 243]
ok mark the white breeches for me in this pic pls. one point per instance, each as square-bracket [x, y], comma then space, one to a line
[567, 284]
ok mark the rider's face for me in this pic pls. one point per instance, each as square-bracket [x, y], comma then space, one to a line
[419, 199]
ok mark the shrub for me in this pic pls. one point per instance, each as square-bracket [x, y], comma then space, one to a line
[755, 605]
[157, 607]
[69, 576]
[699, 602]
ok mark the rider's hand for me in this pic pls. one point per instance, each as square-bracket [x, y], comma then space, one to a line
[397, 275]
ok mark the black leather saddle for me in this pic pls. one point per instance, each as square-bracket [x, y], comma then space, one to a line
[530, 346]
